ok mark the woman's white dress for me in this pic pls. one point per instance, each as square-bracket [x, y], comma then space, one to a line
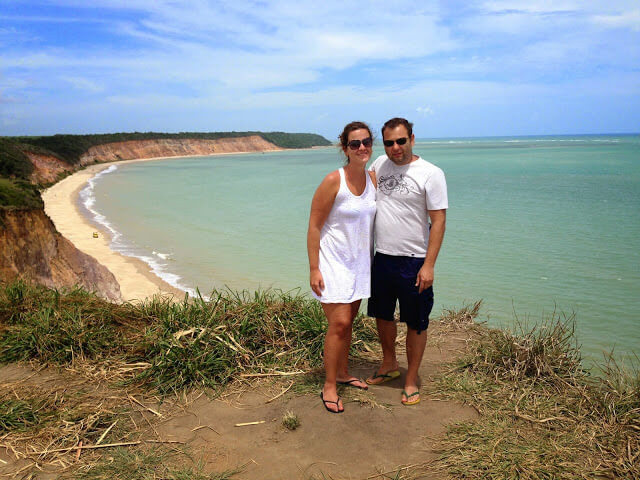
[346, 245]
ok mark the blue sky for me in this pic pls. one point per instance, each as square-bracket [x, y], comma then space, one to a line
[455, 68]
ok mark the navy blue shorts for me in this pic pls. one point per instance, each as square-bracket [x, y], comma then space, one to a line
[394, 279]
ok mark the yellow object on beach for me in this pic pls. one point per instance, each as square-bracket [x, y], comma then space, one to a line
[95, 234]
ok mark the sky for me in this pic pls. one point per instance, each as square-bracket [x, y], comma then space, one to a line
[453, 68]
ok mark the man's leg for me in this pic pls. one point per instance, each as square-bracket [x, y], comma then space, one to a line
[416, 343]
[387, 332]
[382, 305]
[415, 308]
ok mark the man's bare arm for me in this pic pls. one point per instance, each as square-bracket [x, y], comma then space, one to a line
[438, 224]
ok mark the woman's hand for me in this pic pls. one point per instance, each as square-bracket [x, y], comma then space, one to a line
[317, 282]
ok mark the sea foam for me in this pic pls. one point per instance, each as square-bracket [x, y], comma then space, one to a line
[159, 262]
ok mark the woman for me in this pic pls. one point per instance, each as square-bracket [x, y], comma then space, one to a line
[339, 244]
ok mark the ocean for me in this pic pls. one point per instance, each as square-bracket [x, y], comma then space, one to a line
[536, 225]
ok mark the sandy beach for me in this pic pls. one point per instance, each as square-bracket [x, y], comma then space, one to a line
[135, 277]
[137, 280]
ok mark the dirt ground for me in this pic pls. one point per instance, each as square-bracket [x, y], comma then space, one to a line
[375, 434]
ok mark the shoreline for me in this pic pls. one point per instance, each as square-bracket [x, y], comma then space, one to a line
[62, 205]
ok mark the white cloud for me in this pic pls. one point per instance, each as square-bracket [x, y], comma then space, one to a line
[83, 84]
[530, 6]
[623, 20]
[223, 56]
[424, 111]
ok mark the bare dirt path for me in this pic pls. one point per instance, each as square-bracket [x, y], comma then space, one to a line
[375, 434]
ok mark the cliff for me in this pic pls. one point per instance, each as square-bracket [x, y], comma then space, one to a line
[46, 168]
[133, 149]
[30, 247]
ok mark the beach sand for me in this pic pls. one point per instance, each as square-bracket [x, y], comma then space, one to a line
[135, 277]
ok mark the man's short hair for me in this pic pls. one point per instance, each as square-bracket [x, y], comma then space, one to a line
[396, 122]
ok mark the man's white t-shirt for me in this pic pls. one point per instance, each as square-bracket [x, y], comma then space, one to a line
[404, 196]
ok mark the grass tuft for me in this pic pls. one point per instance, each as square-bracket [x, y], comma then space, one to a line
[61, 326]
[460, 317]
[17, 415]
[182, 345]
[209, 343]
[149, 464]
[542, 415]
[290, 420]
[545, 350]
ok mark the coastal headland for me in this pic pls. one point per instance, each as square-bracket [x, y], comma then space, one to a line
[137, 281]
[64, 163]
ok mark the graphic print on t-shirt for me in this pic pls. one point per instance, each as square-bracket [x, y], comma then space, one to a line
[393, 183]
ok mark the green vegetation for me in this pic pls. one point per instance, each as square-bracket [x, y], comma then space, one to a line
[18, 415]
[70, 147]
[290, 420]
[59, 327]
[149, 464]
[541, 414]
[13, 162]
[194, 343]
[15, 168]
[19, 194]
[295, 140]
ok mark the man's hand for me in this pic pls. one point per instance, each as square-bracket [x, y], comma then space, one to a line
[317, 282]
[425, 278]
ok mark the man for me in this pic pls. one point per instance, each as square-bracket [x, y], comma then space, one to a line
[409, 227]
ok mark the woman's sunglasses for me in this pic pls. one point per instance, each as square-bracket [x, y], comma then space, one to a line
[355, 144]
[399, 141]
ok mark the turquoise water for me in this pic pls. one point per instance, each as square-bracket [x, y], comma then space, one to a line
[535, 225]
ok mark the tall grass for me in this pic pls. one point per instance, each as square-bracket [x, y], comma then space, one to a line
[207, 343]
[194, 343]
[17, 415]
[542, 414]
[61, 326]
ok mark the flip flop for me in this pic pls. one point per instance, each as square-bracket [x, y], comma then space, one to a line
[386, 377]
[349, 383]
[324, 402]
[409, 402]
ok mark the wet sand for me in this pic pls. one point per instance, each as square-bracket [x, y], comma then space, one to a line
[135, 277]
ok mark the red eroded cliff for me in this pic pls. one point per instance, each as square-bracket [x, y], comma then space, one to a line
[46, 168]
[30, 247]
[135, 149]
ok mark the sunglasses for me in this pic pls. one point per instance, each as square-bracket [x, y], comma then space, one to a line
[399, 141]
[355, 144]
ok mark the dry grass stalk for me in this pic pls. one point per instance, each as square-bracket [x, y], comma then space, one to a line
[71, 416]
[149, 409]
[281, 393]
[246, 424]
[461, 317]
[542, 415]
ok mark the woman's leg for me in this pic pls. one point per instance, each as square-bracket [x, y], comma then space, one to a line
[343, 364]
[336, 342]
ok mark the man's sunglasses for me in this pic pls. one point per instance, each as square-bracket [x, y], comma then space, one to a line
[355, 144]
[399, 141]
